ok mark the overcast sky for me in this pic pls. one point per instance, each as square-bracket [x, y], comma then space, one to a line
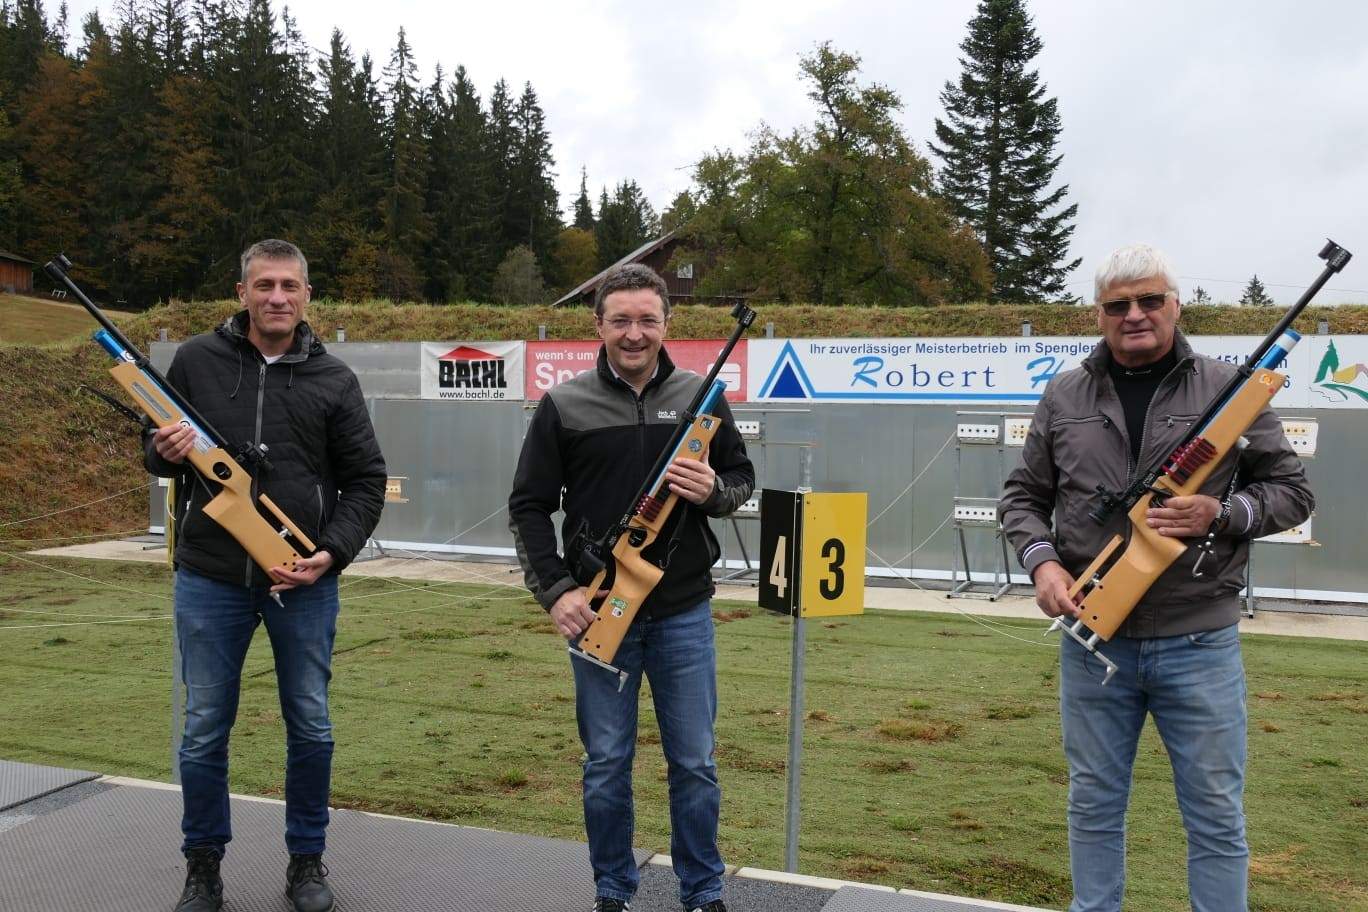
[1234, 135]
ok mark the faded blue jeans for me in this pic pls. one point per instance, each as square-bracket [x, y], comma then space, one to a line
[678, 658]
[214, 626]
[1194, 687]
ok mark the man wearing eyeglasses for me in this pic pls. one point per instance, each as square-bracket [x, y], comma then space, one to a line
[587, 452]
[1178, 652]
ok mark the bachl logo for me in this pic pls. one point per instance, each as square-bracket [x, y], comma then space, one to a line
[469, 368]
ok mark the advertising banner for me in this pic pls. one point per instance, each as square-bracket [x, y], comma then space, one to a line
[552, 363]
[471, 371]
[1322, 372]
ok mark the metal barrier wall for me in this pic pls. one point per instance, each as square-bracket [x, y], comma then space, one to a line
[456, 461]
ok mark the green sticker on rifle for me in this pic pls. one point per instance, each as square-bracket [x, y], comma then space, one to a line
[619, 606]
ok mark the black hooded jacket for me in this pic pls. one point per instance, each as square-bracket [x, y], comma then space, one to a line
[326, 471]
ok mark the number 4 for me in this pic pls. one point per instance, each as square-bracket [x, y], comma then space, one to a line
[778, 576]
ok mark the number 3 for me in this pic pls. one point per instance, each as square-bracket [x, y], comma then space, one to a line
[834, 550]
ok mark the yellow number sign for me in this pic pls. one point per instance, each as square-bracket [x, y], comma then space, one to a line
[833, 566]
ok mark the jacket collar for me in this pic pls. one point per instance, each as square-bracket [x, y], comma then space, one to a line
[234, 329]
[1101, 357]
[664, 367]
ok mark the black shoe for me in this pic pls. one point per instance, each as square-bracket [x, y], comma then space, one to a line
[203, 887]
[714, 905]
[308, 884]
[608, 904]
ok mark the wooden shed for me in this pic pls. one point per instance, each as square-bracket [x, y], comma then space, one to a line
[16, 273]
[656, 254]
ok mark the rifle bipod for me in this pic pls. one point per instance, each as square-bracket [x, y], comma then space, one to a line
[595, 660]
[1077, 630]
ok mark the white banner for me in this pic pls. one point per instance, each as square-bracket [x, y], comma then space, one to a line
[468, 371]
[1014, 370]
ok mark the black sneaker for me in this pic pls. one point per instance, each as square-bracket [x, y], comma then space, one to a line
[714, 905]
[203, 887]
[308, 884]
[608, 904]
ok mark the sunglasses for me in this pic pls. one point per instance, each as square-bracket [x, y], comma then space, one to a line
[1121, 306]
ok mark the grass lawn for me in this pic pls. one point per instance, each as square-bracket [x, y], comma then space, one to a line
[37, 321]
[932, 745]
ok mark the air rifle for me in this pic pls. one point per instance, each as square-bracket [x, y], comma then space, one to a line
[615, 560]
[266, 537]
[1111, 595]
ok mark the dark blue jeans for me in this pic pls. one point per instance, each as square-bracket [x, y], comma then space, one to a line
[214, 626]
[1193, 686]
[677, 657]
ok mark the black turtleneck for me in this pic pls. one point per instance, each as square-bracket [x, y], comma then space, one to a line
[1135, 388]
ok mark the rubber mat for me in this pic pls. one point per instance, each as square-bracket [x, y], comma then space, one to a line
[119, 851]
[858, 899]
[659, 892]
[20, 782]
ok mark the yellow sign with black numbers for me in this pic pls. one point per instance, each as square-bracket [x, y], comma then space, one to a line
[833, 551]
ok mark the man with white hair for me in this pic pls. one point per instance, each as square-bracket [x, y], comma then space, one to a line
[1178, 652]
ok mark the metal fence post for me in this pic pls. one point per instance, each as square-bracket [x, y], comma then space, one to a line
[796, 669]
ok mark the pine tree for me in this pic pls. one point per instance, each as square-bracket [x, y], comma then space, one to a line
[534, 207]
[350, 154]
[625, 222]
[584, 209]
[1200, 296]
[1255, 295]
[405, 224]
[472, 197]
[997, 143]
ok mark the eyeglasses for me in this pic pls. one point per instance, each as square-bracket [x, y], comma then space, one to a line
[1121, 306]
[647, 324]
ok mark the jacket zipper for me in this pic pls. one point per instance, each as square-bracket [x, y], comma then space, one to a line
[318, 488]
[261, 396]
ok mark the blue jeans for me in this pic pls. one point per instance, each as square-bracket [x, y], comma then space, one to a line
[677, 655]
[214, 626]
[1194, 686]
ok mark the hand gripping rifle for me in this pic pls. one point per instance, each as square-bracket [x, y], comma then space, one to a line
[616, 560]
[266, 540]
[1215, 433]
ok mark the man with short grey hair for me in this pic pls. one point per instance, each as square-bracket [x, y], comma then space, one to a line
[1178, 652]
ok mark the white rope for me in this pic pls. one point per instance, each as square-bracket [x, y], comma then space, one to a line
[159, 617]
[18, 522]
[422, 555]
[948, 441]
[88, 579]
[110, 535]
[977, 620]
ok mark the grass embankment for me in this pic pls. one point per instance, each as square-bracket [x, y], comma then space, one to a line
[36, 321]
[60, 447]
[932, 745]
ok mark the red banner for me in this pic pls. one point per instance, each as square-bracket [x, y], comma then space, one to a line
[550, 364]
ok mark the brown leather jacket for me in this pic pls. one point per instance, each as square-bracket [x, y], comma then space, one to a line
[1078, 441]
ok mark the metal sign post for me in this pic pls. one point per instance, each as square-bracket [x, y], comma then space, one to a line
[793, 770]
[811, 563]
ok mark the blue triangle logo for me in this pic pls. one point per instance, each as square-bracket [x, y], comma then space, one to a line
[787, 379]
[787, 385]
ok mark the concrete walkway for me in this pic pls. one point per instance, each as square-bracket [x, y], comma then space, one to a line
[1303, 622]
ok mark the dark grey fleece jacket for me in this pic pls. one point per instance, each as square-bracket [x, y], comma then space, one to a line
[587, 451]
